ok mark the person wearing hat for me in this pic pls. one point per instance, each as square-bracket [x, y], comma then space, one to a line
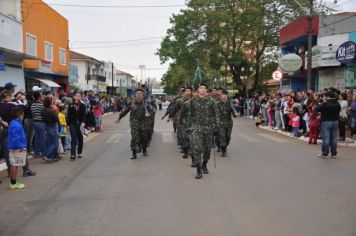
[329, 111]
[138, 123]
[11, 87]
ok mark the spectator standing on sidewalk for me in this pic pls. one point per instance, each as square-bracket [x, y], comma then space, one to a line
[295, 122]
[16, 145]
[343, 118]
[50, 118]
[76, 121]
[329, 110]
[98, 112]
[314, 125]
[38, 125]
[352, 111]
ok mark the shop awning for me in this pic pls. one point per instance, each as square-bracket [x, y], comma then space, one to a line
[48, 82]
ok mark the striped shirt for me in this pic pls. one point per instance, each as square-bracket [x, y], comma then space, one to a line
[36, 110]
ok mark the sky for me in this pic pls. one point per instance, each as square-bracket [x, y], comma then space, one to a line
[92, 28]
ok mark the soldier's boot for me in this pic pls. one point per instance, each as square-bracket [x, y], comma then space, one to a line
[205, 168]
[199, 171]
[134, 155]
[219, 149]
[193, 165]
[185, 156]
[144, 151]
[223, 154]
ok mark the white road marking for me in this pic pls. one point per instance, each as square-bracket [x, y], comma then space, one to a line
[271, 137]
[167, 137]
[115, 138]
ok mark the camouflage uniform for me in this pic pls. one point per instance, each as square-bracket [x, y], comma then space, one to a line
[226, 123]
[169, 110]
[215, 137]
[176, 114]
[204, 117]
[138, 124]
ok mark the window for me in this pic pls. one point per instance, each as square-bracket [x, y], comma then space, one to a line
[31, 45]
[48, 51]
[286, 83]
[62, 56]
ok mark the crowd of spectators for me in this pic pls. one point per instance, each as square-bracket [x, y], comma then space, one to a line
[53, 124]
[297, 112]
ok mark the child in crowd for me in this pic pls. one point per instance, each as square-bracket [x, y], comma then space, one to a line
[295, 121]
[17, 145]
[259, 120]
[314, 125]
[98, 112]
[62, 128]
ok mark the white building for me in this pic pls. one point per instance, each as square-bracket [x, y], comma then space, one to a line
[112, 82]
[127, 83]
[91, 72]
[11, 44]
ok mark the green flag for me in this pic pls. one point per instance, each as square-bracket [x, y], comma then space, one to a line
[197, 76]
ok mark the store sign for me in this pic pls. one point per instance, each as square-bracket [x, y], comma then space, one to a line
[323, 56]
[45, 66]
[277, 75]
[346, 52]
[290, 62]
[2, 62]
[328, 56]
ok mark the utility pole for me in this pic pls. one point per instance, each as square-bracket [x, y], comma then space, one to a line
[112, 78]
[310, 45]
[142, 67]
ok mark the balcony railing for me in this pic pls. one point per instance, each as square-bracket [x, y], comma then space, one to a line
[96, 77]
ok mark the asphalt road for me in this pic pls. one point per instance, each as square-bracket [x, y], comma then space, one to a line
[268, 185]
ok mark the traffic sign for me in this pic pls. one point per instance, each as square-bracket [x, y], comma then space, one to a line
[277, 75]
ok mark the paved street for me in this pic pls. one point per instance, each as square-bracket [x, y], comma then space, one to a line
[268, 185]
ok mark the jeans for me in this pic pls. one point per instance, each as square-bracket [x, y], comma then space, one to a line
[40, 141]
[77, 139]
[296, 132]
[278, 119]
[353, 125]
[29, 133]
[329, 137]
[52, 141]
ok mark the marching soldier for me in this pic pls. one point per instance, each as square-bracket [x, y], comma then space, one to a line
[182, 123]
[171, 106]
[226, 123]
[138, 123]
[204, 117]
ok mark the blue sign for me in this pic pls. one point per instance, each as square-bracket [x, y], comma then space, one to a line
[2, 62]
[346, 52]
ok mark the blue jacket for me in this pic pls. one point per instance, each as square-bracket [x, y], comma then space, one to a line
[17, 136]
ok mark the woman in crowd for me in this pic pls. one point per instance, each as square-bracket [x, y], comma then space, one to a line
[38, 125]
[50, 118]
[76, 121]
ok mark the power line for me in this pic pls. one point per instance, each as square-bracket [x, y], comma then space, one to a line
[119, 41]
[113, 6]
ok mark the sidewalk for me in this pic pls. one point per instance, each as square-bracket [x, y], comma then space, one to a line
[86, 139]
[348, 142]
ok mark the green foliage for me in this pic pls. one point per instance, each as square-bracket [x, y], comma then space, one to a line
[222, 36]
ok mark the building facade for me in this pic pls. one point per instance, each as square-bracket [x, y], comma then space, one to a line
[11, 44]
[334, 31]
[45, 36]
[91, 72]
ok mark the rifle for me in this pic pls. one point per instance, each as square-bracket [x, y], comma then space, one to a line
[214, 150]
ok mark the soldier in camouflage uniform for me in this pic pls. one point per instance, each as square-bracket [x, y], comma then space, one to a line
[138, 123]
[182, 123]
[226, 123]
[216, 140]
[203, 117]
[171, 106]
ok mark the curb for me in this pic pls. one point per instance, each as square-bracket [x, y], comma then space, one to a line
[348, 142]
